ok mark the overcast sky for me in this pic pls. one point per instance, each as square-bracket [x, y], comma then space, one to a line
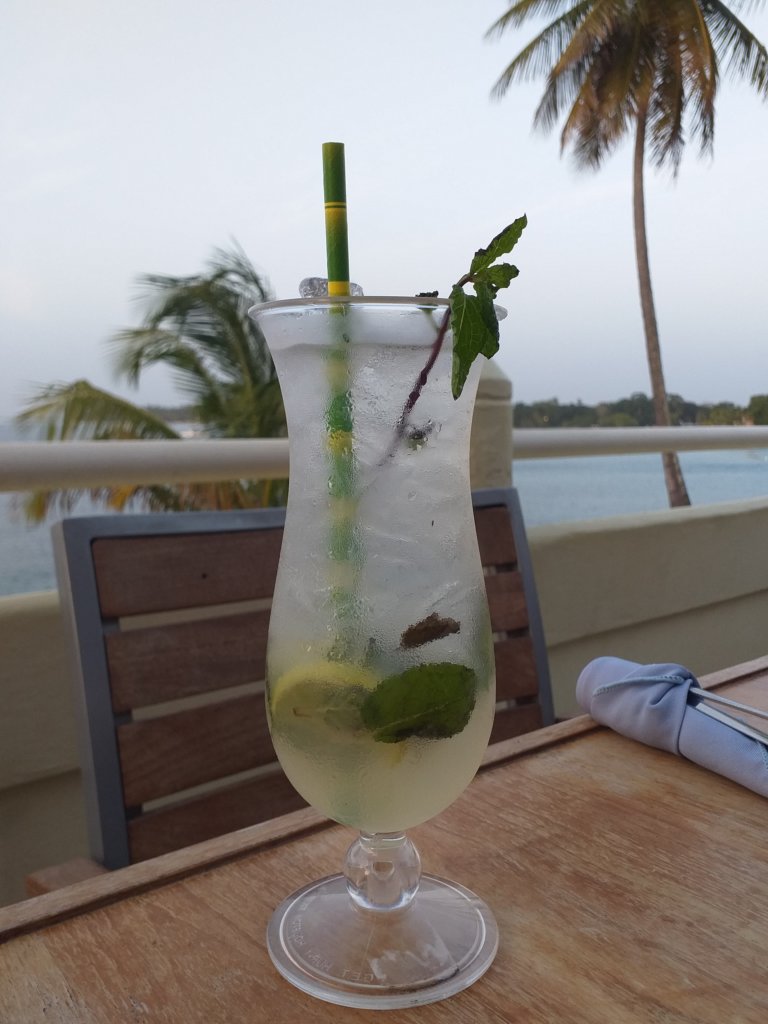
[136, 137]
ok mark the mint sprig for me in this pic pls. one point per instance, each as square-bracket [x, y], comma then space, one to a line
[474, 323]
[472, 319]
[432, 701]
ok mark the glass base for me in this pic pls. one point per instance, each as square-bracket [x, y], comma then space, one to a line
[326, 945]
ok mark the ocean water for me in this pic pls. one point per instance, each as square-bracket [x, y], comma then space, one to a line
[551, 491]
[560, 490]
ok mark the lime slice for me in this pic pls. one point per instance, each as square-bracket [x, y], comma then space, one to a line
[331, 692]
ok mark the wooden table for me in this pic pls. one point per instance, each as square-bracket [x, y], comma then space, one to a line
[629, 886]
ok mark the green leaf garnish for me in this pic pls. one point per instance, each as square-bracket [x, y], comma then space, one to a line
[433, 701]
[471, 336]
[500, 245]
[485, 295]
[474, 322]
[502, 275]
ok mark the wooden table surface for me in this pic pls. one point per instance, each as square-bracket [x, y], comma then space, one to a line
[629, 886]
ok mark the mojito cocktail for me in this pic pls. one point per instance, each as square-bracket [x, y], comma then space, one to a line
[380, 672]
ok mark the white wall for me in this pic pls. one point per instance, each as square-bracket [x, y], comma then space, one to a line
[41, 815]
[685, 585]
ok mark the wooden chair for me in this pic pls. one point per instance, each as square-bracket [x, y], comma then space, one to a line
[169, 617]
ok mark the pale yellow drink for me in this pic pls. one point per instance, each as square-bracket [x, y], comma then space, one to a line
[379, 539]
[341, 769]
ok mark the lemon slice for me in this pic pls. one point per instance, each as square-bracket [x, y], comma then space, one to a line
[321, 691]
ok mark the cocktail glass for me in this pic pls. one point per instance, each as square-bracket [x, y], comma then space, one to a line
[380, 670]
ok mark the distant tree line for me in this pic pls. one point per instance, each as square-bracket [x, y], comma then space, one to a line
[638, 411]
[175, 413]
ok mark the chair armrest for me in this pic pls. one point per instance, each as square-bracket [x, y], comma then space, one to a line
[56, 877]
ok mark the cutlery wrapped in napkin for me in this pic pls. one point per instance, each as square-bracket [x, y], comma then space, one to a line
[654, 704]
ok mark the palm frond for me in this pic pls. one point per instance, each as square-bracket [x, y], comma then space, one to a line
[591, 131]
[235, 264]
[605, 103]
[210, 313]
[569, 88]
[745, 55]
[82, 411]
[523, 10]
[204, 312]
[137, 348]
[602, 22]
[700, 70]
[665, 132]
[538, 56]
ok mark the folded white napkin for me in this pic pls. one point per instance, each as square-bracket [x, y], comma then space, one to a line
[650, 703]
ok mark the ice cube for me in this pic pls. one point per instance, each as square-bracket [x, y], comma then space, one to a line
[311, 287]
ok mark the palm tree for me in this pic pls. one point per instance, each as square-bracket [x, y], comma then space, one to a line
[650, 67]
[199, 326]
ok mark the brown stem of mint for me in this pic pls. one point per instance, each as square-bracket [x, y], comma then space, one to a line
[421, 380]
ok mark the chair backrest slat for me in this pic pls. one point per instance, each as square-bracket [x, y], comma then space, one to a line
[205, 817]
[506, 601]
[161, 756]
[516, 674]
[523, 694]
[511, 722]
[495, 538]
[153, 574]
[172, 661]
[169, 611]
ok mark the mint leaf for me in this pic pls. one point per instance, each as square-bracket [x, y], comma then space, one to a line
[500, 245]
[471, 335]
[485, 296]
[501, 275]
[433, 701]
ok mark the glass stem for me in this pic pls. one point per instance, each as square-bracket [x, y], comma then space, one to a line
[382, 871]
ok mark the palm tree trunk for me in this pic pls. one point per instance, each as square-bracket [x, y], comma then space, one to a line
[673, 475]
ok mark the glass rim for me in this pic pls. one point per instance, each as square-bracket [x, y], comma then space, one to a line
[414, 301]
[352, 300]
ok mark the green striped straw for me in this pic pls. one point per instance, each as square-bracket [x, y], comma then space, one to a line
[336, 240]
[344, 547]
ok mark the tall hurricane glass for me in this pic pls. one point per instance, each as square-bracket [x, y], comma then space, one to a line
[380, 677]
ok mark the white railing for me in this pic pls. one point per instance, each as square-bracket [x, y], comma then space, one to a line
[557, 442]
[32, 465]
